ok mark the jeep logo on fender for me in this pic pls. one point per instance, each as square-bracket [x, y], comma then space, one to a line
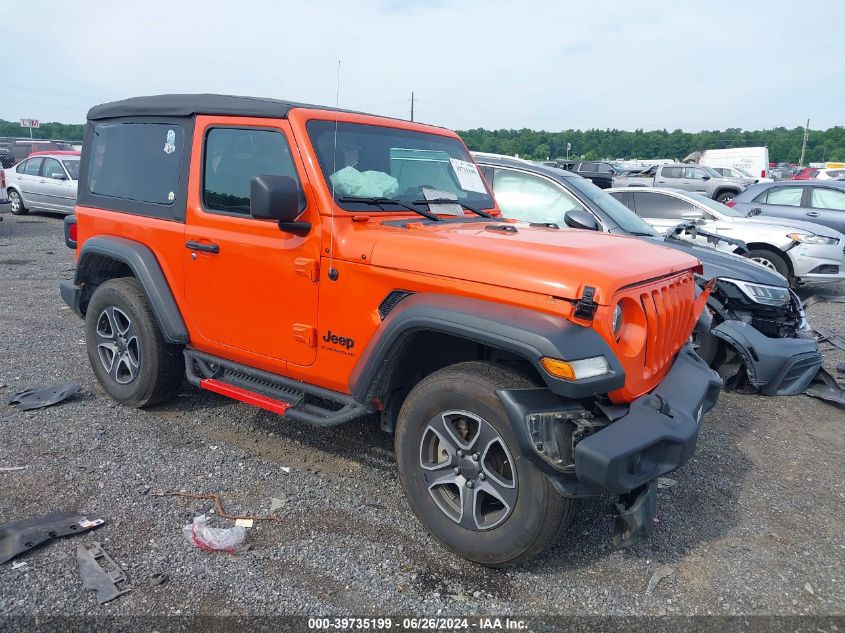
[341, 341]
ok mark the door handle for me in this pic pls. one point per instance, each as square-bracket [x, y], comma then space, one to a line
[205, 248]
[812, 214]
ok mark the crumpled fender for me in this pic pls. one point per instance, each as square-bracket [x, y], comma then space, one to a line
[776, 366]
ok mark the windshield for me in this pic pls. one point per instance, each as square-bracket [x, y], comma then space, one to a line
[72, 167]
[711, 172]
[627, 220]
[718, 207]
[374, 161]
[742, 172]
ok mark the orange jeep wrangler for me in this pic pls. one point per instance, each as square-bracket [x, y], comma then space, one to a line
[325, 265]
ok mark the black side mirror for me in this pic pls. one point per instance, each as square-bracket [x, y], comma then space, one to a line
[581, 220]
[705, 178]
[277, 198]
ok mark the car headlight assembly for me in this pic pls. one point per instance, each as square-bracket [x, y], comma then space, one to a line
[761, 293]
[617, 321]
[812, 238]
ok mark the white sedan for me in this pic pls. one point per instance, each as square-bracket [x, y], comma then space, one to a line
[43, 182]
[803, 252]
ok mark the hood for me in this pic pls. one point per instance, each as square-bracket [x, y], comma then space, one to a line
[788, 224]
[724, 265]
[552, 262]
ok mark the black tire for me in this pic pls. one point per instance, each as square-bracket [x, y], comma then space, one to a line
[725, 196]
[17, 207]
[144, 370]
[772, 260]
[538, 513]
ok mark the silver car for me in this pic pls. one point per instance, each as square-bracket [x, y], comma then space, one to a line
[803, 252]
[44, 182]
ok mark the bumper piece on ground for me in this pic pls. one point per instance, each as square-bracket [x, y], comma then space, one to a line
[776, 366]
[658, 434]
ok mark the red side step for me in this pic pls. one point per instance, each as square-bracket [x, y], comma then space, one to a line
[244, 395]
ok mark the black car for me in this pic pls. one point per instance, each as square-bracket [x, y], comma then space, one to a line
[758, 323]
[598, 172]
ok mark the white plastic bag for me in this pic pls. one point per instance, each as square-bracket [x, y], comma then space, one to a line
[211, 539]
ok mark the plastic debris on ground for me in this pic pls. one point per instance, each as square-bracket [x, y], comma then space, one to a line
[99, 572]
[19, 564]
[665, 482]
[8, 469]
[23, 536]
[244, 523]
[276, 504]
[209, 539]
[41, 397]
[657, 576]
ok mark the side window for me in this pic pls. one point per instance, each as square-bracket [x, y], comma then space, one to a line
[694, 173]
[136, 161]
[233, 156]
[531, 198]
[32, 166]
[52, 169]
[787, 196]
[824, 198]
[604, 168]
[671, 172]
[658, 206]
[587, 167]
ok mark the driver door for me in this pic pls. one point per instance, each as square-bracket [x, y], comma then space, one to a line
[251, 287]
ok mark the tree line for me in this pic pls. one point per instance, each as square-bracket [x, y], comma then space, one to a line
[784, 144]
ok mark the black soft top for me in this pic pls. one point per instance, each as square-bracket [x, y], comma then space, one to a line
[186, 105]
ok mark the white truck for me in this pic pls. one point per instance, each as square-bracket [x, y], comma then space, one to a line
[753, 160]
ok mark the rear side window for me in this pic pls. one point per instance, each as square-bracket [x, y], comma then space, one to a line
[786, 196]
[32, 166]
[671, 172]
[136, 161]
[824, 198]
[659, 206]
[233, 157]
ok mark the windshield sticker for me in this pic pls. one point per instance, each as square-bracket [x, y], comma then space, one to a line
[170, 143]
[442, 208]
[468, 176]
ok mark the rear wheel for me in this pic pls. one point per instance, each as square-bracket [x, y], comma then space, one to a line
[16, 206]
[464, 474]
[127, 352]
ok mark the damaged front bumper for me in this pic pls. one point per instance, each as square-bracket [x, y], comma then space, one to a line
[776, 366]
[624, 451]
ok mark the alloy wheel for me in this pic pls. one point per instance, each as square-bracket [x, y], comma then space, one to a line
[468, 469]
[118, 345]
[764, 262]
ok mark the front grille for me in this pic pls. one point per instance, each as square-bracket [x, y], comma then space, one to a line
[669, 308]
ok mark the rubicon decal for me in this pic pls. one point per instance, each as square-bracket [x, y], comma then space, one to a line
[340, 341]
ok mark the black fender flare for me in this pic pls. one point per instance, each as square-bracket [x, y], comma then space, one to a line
[146, 269]
[527, 333]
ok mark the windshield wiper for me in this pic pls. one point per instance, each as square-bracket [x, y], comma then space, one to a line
[483, 214]
[380, 202]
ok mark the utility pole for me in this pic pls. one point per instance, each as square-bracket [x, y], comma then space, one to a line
[804, 145]
[412, 105]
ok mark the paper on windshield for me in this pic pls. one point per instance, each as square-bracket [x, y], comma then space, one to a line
[445, 208]
[468, 176]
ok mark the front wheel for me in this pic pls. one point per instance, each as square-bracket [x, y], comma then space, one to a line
[464, 474]
[16, 206]
[127, 352]
[770, 260]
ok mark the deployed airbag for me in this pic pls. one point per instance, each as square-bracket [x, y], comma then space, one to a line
[367, 184]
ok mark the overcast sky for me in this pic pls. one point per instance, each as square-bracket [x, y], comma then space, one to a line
[494, 64]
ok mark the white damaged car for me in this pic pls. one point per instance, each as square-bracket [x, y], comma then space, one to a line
[803, 252]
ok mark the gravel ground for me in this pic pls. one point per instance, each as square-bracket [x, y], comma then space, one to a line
[753, 526]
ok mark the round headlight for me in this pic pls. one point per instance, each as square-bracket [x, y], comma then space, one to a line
[617, 321]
